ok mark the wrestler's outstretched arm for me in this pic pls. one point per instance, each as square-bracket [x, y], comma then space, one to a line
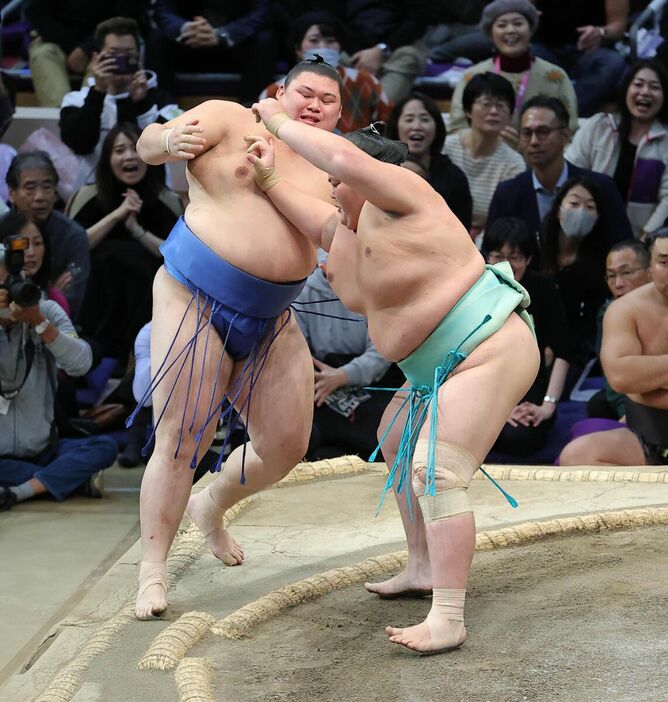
[310, 215]
[386, 186]
[189, 135]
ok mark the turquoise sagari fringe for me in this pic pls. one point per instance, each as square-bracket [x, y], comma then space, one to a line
[420, 401]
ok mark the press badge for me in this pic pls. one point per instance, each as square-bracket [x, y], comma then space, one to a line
[4, 405]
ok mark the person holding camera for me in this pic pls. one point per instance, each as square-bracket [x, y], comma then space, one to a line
[32, 183]
[37, 339]
[119, 91]
[61, 40]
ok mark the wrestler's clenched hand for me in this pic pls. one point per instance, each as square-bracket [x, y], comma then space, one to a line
[186, 141]
[261, 154]
[265, 109]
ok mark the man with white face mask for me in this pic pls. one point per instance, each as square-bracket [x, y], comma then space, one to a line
[363, 98]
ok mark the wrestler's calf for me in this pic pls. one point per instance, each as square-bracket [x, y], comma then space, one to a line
[455, 467]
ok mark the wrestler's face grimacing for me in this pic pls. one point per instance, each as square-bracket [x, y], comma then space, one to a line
[312, 99]
[348, 202]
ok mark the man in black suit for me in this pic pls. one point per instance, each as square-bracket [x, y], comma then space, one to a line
[214, 36]
[544, 134]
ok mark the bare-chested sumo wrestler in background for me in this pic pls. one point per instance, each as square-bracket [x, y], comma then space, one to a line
[232, 267]
[399, 255]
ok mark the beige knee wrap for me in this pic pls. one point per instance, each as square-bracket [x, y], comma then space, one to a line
[455, 467]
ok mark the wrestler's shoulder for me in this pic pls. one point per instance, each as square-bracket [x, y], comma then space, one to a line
[635, 301]
[223, 107]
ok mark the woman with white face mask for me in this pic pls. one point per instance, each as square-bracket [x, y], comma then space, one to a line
[321, 33]
[575, 240]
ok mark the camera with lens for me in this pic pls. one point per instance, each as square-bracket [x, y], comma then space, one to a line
[125, 65]
[12, 254]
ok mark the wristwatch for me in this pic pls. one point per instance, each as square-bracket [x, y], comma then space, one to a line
[224, 38]
[384, 48]
[42, 326]
[551, 399]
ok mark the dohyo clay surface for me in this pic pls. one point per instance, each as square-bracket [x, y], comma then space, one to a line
[567, 601]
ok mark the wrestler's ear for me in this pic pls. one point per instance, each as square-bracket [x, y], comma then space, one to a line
[280, 92]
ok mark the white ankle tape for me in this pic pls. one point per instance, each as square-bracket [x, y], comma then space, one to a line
[449, 603]
[444, 504]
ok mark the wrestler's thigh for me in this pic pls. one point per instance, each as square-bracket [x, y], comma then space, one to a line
[281, 404]
[390, 429]
[616, 447]
[475, 402]
[179, 388]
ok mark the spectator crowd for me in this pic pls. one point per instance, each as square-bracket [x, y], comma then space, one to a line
[551, 149]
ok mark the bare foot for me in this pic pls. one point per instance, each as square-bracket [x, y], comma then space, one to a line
[152, 595]
[433, 635]
[413, 583]
[209, 519]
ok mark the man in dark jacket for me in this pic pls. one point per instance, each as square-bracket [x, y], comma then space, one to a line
[214, 36]
[544, 134]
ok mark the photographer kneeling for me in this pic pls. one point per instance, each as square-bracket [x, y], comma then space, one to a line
[36, 339]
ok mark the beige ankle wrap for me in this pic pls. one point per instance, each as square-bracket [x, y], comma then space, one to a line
[152, 573]
[448, 603]
[454, 470]
[446, 619]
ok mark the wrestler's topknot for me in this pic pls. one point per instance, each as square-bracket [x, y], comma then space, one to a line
[371, 140]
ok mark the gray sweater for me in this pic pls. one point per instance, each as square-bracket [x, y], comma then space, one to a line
[326, 335]
[25, 427]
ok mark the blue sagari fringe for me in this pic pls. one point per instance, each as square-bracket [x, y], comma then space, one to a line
[248, 377]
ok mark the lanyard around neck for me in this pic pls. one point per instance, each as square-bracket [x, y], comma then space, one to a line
[522, 87]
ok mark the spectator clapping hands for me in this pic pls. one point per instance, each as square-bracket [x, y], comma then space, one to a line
[530, 415]
[199, 33]
[130, 207]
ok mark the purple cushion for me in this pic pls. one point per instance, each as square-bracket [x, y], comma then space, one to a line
[593, 425]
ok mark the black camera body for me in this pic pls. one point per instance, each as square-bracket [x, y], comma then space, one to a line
[124, 65]
[21, 291]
